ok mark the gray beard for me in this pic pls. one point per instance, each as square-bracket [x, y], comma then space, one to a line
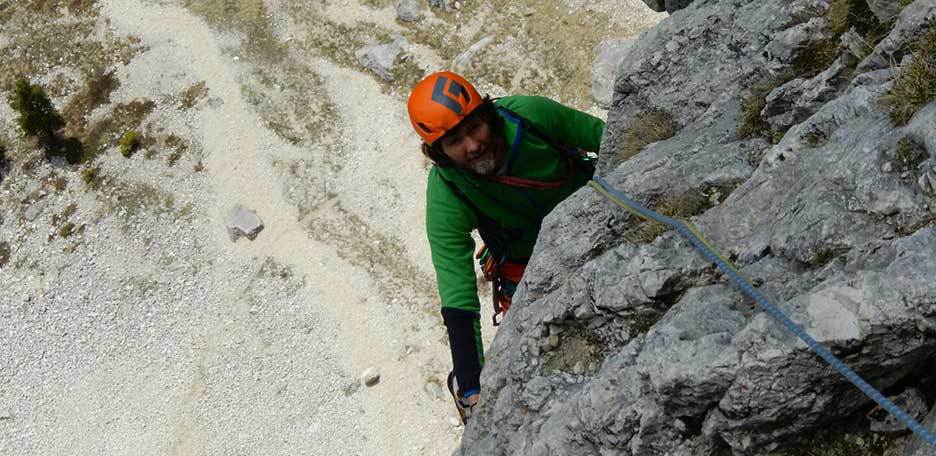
[484, 167]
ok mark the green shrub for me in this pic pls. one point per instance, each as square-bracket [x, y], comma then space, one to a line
[37, 117]
[39, 120]
[89, 176]
[66, 230]
[916, 84]
[130, 142]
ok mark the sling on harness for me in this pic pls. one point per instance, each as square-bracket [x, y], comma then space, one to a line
[498, 267]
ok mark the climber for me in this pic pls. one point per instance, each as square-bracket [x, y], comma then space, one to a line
[499, 167]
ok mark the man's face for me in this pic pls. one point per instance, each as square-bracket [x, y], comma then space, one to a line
[472, 146]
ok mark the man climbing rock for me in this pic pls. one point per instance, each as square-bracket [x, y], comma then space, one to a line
[500, 166]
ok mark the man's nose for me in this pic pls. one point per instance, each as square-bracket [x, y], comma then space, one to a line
[471, 145]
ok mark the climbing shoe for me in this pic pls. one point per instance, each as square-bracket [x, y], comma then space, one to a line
[465, 409]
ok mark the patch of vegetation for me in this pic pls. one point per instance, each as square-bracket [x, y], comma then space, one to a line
[827, 443]
[66, 230]
[4, 253]
[683, 206]
[841, 15]
[824, 255]
[97, 91]
[177, 147]
[249, 17]
[90, 176]
[41, 121]
[272, 269]
[909, 154]
[816, 138]
[65, 215]
[130, 142]
[59, 183]
[752, 103]
[44, 39]
[124, 117]
[646, 127]
[4, 161]
[37, 117]
[192, 95]
[916, 84]
[579, 350]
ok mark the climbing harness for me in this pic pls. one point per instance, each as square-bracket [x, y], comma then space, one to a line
[692, 234]
[504, 277]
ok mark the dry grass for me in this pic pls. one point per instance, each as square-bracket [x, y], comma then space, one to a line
[250, 17]
[123, 117]
[677, 206]
[96, 92]
[192, 95]
[752, 103]
[909, 155]
[916, 83]
[646, 128]
[841, 15]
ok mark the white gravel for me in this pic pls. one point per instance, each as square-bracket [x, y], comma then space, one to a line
[148, 332]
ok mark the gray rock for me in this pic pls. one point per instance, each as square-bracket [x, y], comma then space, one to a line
[381, 58]
[667, 5]
[927, 182]
[917, 446]
[34, 210]
[444, 5]
[242, 222]
[408, 10]
[434, 390]
[912, 24]
[799, 99]
[885, 10]
[658, 353]
[611, 53]
[910, 400]
[462, 61]
[370, 376]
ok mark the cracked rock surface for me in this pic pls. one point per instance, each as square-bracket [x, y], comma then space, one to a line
[656, 353]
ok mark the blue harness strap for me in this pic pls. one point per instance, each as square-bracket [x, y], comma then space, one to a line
[710, 254]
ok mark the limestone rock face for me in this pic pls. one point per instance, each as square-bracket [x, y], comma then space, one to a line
[619, 343]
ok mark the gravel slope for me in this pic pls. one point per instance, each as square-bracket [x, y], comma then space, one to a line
[148, 332]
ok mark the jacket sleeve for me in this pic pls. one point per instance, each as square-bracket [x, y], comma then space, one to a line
[448, 225]
[570, 126]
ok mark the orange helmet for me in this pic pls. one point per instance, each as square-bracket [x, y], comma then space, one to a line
[439, 102]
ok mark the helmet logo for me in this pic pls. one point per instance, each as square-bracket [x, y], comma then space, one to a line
[449, 100]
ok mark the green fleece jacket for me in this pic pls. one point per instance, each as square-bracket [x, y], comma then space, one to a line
[449, 221]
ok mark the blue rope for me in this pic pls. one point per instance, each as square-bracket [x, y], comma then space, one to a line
[773, 311]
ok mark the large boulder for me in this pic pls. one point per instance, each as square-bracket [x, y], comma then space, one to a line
[611, 53]
[624, 341]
